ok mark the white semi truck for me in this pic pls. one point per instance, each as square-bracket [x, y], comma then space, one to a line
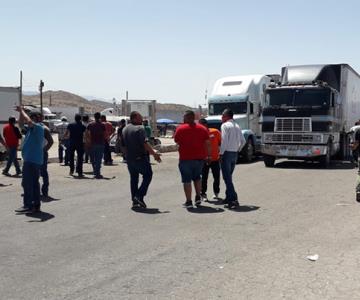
[9, 98]
[244, 95]
[308, 115]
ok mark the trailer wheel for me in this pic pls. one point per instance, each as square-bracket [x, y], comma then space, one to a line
[269, 161]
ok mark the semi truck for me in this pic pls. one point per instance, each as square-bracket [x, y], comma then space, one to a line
[9, 98]
[308, 114]
[244, 95]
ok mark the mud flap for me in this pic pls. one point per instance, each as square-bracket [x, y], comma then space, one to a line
[358, 188]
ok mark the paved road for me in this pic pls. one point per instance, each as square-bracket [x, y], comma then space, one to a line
[88, 244]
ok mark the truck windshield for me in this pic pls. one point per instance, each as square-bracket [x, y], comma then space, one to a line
[298, 97]
[218, 108]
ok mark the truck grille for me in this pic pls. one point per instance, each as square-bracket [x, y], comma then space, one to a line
[292, 138]
[293, 124]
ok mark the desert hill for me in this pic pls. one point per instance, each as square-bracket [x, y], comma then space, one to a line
[67, 99]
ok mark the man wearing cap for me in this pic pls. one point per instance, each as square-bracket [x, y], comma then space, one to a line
[33, 156]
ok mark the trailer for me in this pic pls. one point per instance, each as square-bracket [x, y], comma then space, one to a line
[9, 98]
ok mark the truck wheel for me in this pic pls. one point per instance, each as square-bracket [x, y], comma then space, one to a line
[249, 151]
[326, 159]
[269, 161]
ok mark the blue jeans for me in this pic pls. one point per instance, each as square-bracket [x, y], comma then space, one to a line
[97, 153]
[228, 163]
[12, 159]
[31, 185]
[136, 167]
[45, 175]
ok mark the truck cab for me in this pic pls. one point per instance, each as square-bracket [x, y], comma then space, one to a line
[244, 95]
[308, 114]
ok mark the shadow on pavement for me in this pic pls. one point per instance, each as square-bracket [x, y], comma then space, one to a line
[81, 177]
[40, 216]
[48, 199]
[150, 211]
[5, 185]
[216, 201]
[245, 208]
[335, 165]
[205, 210]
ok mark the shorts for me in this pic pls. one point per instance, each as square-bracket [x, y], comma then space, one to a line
[190, 170]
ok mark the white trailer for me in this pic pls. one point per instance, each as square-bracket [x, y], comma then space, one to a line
[9, 98]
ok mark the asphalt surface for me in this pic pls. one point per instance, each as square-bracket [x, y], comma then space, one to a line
[89, 244]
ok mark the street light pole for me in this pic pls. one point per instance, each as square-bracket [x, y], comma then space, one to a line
[41, 85]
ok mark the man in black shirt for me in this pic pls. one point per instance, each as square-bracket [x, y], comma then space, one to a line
[75, 133]
[137, 156]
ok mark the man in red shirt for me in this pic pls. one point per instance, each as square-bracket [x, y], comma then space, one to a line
[108, 132]
[12, 136]
[194, 149]
[214, 165]
[95, 139]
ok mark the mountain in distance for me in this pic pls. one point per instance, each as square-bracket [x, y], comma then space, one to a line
[67, 99]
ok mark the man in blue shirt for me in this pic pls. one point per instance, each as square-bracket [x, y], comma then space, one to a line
[33, 156]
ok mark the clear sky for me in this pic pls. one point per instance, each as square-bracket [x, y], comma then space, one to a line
[168, 50]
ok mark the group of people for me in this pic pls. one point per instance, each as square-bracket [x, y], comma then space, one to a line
[201, 149]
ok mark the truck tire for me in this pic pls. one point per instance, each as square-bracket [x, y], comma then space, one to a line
[269, 161]
[325, 160]
[249, 151]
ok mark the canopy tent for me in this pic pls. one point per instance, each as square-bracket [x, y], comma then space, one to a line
[165, 121]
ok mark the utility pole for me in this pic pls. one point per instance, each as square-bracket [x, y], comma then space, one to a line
[50, 100]
[21, 83]
[41, 85]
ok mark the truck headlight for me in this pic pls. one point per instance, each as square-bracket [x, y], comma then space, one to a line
[268, 138]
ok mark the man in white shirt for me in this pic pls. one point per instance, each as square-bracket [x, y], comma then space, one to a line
[232, 142]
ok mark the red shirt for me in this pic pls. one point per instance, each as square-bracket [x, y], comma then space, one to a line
[10, 137]
[191, 140]
[97, 133]
[108, 130]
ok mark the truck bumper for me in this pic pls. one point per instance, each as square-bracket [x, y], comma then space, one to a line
[294, 151]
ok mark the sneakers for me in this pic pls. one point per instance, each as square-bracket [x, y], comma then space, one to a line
[35, 210]
[197, 200]
[140, 201]
[23, 209]
[232, 205]
[98, 177]
[6, 173]
[204, 197]
[188, 204]
[216, 196]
